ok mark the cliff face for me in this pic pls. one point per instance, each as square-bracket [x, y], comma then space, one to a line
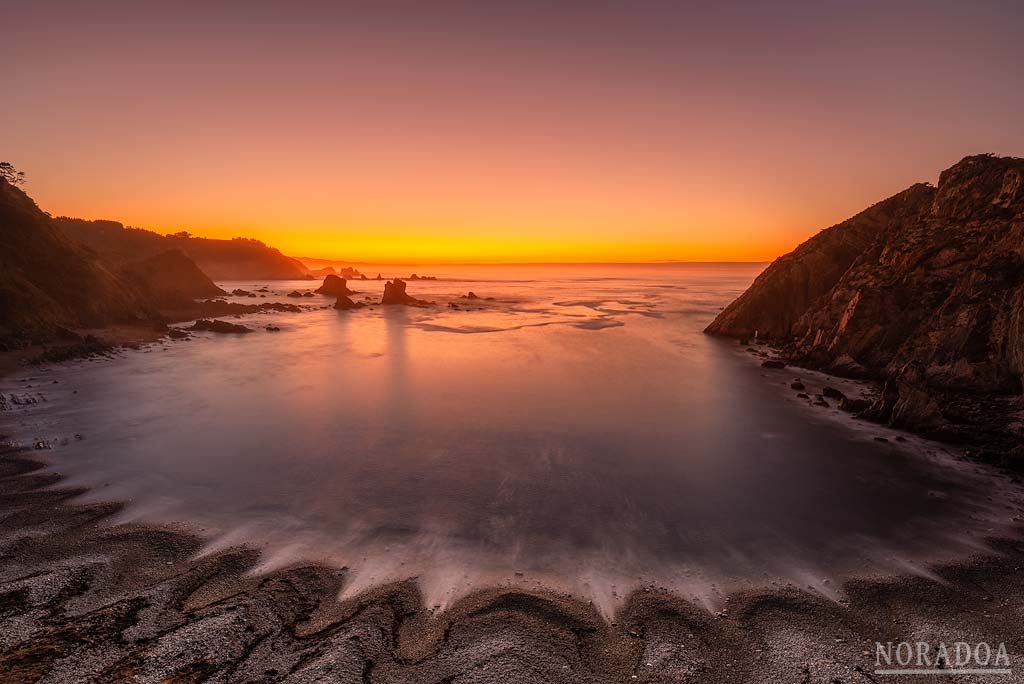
[787, 288]
[237, 259]
[47, 282]
[924, 291]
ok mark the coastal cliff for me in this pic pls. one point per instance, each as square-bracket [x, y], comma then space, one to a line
[923, 292]
[48, 283]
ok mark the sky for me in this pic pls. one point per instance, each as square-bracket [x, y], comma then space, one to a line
[491, 132]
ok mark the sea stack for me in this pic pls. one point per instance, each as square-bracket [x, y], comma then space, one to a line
[334, 286]
[394, 293]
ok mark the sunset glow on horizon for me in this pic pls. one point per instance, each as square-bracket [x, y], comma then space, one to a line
[511, 132]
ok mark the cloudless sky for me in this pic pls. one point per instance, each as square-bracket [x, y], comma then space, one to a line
[484, 131]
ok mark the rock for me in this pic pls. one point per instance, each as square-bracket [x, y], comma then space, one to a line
[294, 293]
[797, 386]
[832, 393]
[177, 334]
[802, 396]
[470, 295]
[239, 292]
[272, 328]
[394, 293]
[334, 286]
[344, 304]
[773, 363]
[854, 405]
[219, 326]
[820, 401]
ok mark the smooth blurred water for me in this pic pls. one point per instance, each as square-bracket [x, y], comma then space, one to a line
[577, 431]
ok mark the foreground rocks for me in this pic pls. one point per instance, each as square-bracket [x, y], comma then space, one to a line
[924, 293]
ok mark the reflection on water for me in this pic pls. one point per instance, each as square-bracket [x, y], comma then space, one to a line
[575, 431]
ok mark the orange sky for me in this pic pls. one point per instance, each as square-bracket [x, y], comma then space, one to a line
[500, 132]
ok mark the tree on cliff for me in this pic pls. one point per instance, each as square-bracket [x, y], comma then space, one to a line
[11, 174]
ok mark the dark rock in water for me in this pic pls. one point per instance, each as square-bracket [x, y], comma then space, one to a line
[881, 439]
[218, 326]
[470, 295]
[773, 363]
[832, 393]
[272, 328]
[344, 304]
[394, 293]
[307, 294]
[802, 396]
[379, 277]
[797, 386]
[177, 334]
[362, 276]
[922, 292]
[294, 293]
[854, 405]
[334, 287]
[239, 292]
[820, 401]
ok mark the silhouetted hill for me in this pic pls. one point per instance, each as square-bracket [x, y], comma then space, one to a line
[924, 291]
[237, 259]
[47, 282]
[171, 280]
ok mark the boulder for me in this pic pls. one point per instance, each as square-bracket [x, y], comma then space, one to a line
[773, 363]
[832, 393]
[854, 405]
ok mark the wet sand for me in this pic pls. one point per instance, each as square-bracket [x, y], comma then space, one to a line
[84, 601]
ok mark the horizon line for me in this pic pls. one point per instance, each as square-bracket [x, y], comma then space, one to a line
[661, 262]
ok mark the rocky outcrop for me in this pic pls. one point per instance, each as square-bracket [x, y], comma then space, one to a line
[923, 292]
[334, 286]
[787, 288]
[219, 326]
[394, 293]
[345, 304]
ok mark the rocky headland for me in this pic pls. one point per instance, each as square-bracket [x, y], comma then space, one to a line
[922, 293]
